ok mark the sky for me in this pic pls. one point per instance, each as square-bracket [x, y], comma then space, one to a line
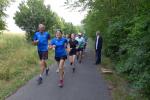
[56, 5]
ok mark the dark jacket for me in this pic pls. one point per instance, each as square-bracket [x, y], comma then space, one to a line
[100, 43]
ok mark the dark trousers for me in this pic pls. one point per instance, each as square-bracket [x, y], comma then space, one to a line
[98, 56]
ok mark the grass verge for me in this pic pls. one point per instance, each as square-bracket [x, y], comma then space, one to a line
[18, 63]
[116, 83]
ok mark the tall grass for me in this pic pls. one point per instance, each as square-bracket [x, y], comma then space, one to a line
[18, 63]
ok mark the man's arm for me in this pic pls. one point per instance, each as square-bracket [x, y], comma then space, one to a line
[35, 40]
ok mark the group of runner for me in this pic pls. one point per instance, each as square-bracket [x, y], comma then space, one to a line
[72, 46]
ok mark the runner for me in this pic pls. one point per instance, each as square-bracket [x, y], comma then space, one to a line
[86, 41]
[81, 43]
[59, 44]
[41, 40]
[72, 45]
[67, 36]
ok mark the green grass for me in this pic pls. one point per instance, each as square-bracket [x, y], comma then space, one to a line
[119, 86]
[18, 63]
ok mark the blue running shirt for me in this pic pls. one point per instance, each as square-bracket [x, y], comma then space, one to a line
[60, 49]
[43, 40]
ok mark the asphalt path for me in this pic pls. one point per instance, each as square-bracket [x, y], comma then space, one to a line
[85, 84]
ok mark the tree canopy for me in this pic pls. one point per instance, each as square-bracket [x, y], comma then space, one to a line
[3, 6]
[33, 12]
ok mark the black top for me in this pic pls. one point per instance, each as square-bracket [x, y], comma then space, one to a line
[73, 43]
[100, 43]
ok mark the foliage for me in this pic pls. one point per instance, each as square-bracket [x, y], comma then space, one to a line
[18, 63]
[69, 28]
[3, 6]
[125, 27]
[33, 12]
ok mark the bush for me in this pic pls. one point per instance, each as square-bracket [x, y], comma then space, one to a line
[137, 64]
[125, 27]
[128, 46]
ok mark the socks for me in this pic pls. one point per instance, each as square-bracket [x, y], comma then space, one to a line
[41, 75]
[47, 68]
[61, 81]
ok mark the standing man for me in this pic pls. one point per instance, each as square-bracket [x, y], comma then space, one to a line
[98, 47]
[41, 40]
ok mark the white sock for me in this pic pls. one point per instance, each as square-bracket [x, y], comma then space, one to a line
[41, 75]
[47, 68]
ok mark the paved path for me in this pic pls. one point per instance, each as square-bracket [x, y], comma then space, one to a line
[85, 84]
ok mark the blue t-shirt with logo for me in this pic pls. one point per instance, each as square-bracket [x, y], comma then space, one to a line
[43, 40]
[60, 49]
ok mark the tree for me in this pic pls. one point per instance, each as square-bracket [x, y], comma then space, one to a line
[69, 28]
[3, 6]
[31, 14]
[84, 4]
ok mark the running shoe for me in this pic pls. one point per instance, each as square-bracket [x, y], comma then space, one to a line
[61, 83]
[39, 80]
[73, 70]
[80, 61]
[47, 70]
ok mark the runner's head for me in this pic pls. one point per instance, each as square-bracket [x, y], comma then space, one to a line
[58, 34]
[97, 33]
[41, 28]
[73, 36]
[80, 35]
